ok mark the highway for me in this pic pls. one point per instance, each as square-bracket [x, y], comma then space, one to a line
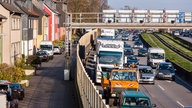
[165, 93]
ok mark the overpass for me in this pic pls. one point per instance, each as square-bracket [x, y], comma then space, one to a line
[95, 20]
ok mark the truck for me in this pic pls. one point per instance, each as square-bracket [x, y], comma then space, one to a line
[155, 55]
[119, 79]
[48, 47]
[134, 99]
[108, 33]
[108, 53]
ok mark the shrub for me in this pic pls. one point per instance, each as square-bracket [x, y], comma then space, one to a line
[58, 43]
[33, 60]
[11, 73]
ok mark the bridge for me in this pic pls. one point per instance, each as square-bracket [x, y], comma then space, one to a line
[96, 20]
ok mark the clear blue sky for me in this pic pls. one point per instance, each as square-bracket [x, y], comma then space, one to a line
[182, 5]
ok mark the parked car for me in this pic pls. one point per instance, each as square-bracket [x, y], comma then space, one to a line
[128, 51]
[135, 38]
[132, 59]
[142, 52]
[5, 88]
[138, 44]
[19, 89]
[165, 70]
[125, 37]
[43, 55]
[146, 74]
[57, 50]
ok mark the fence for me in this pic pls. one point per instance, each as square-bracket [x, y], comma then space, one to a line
[90, 97]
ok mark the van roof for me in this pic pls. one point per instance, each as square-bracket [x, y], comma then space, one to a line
[156, 50]
[128, 93]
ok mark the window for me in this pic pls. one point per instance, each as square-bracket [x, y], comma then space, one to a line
[15, 23]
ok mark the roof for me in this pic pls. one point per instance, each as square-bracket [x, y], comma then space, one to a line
[128, 93]
[10, 7]
[53, 10]
[156, 50]
[39, 11]
[2, 17]
[144, 66]
[27, 11]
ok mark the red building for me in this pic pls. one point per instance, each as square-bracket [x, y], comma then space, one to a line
[53, 32]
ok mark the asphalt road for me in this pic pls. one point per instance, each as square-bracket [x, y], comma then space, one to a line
[165, 93]
[48, 89]
[189, 39]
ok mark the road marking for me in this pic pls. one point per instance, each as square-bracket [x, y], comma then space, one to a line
[168, 81]
[180, 104]
[161, 88]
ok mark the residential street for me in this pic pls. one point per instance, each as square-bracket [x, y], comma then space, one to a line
[48, 89]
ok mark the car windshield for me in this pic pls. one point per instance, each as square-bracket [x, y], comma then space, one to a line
[15, 86]
[46, 47]
[157, 55]
[3, 86]
[146, 70]
[136, 102]
[127, 76]
[132, 58]
[143, 50]
[106, 57]
[128, 50]
[138, 43]
[165, 66]
[41, 53]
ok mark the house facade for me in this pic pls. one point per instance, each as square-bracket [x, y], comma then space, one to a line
[2, 20]
[53, 23]
[43, 21]
[12, 30]
[29, 27]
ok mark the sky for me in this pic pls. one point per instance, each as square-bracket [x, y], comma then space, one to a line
[182, 5]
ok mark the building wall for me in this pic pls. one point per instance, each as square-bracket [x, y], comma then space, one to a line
[6, 38]
[50, 23]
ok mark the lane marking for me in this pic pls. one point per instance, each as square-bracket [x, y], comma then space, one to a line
[180, 104]
[168, 81]
[161, 87]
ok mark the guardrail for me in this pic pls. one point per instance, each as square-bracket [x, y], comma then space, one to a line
[90, 97]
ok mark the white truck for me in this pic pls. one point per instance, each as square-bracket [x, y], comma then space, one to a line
[155, 55]
[108, 53]
[108, 33]
[47, 46]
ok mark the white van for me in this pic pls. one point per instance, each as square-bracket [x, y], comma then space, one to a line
[155, 55]
[47, 46]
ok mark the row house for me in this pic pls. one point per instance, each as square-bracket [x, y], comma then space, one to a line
[43, 21]
[12, 32]
[25, 23]
[61, 7]
[2, 19]
[29, 27]
[53, 25]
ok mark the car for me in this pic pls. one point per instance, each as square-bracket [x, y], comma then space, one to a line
[135, 38]
[165, 70]
[19, 89]
[134, 99]
[43, 55]
[126, 45]
[57, 50]
[125, 37]
[138, 44]
[5, 88]
[128, 51]
[132, 59]
[146, 74]
[142, 52]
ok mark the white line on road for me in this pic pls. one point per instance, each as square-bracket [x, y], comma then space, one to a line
[180, 104]
[161, 87]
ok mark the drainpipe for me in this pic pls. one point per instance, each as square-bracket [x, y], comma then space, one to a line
[10, 17]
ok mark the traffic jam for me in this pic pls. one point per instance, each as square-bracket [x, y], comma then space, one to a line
[124, 69]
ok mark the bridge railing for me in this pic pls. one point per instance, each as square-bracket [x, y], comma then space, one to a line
[89, 95]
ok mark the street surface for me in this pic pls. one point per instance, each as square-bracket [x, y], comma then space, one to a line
[48, 89]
